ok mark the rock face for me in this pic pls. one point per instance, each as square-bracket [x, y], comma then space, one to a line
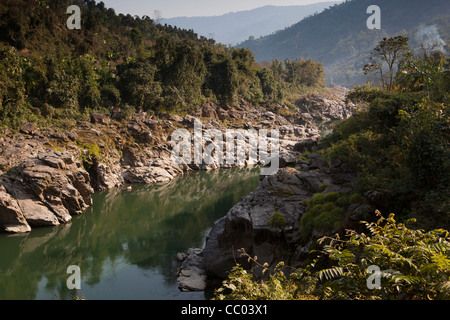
[11, 216]
[247, 225]
[328, 107]
[43, 191]
[192, 272]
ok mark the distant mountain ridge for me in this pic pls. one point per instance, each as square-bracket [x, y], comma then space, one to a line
[233, 28]
[339, 37]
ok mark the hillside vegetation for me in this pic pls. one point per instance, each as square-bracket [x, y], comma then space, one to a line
[339, 38]
[398, 144]
[50, 74]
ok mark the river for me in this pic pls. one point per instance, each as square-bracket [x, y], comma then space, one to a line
[126, 244]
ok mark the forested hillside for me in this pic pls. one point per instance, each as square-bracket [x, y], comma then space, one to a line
[235, 27]
[396, 216]
[339, 38]
[49, 72]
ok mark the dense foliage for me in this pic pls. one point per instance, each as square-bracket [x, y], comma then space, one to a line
[399, 141]
[49, 73]
[388, 262]
[398, 144]
[410, 264]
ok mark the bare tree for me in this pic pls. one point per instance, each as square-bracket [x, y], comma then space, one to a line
[388, 54]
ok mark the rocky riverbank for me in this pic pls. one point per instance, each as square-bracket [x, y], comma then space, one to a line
[47, 176]
[248, 224]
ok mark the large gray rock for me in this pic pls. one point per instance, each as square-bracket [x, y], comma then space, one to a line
[43, 191]
[307, 145]
[247, 226]
[11, 217]
[192, 273]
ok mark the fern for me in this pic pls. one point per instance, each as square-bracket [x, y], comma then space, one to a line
[413, 264]
[331, 273]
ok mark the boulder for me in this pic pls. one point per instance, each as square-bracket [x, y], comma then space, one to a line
[307, 145]
[47, 190]
[28, 128]
[106, 177]
[100, 119]
[11, 217]
[192, 272]
[147, 175]
[313, 180]
[247, 226]
[222, 114]
[210, 112]
[190, 120]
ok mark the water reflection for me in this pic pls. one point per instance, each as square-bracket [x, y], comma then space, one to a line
[126, 243]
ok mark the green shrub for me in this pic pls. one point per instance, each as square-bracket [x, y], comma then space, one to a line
[277, 220]
[413, 264]
[356, 197]
[241, 284]
[318, 198]
[306, 225]
[328, 207]
[320, 215]
[332, 196]
[329, 220]
[343, 201]
[315, 210]
[398, 142]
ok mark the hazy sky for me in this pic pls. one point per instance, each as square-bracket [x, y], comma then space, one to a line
[176, 8]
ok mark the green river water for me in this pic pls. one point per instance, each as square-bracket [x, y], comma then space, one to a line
[126, 244]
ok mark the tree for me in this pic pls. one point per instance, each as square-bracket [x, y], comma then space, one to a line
[270, 88]
[388, 53]
[277, 69]
[137, 83]
[12, 87]
[183, 75]
[222, 79]
[293, 71]
[136, 37]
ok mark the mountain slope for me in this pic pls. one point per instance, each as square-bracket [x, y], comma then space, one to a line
[236, 27]
[339, 36]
